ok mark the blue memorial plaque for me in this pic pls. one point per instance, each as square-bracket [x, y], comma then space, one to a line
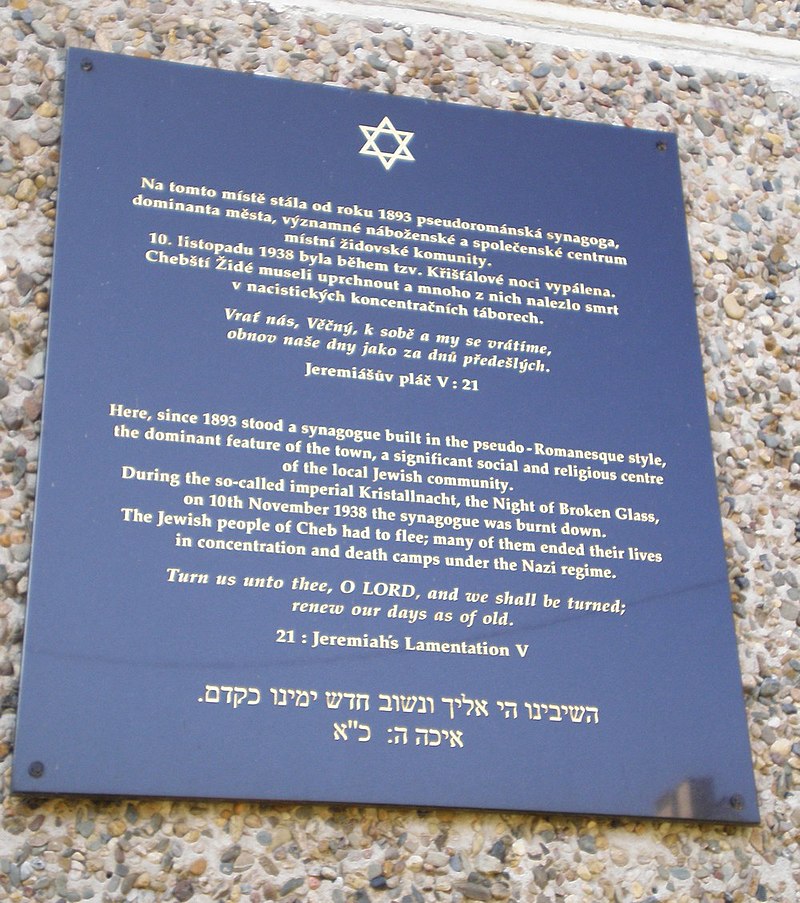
[375, 461]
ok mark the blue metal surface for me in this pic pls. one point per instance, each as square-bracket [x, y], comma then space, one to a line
[630, 714]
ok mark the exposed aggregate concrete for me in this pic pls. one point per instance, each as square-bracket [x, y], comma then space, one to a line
[738, 145]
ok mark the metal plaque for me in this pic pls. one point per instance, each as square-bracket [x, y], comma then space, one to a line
[375, 461]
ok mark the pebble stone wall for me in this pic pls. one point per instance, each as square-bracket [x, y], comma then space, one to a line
[739, 152]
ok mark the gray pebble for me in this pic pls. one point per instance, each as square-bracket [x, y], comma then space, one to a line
[13, 417]
[498, 49]
[790, 611]
[587, 843]
[183, 891]
[290, 885]
[472, 891]
[44, 32]
[706, 127]
[741, 222]
[378, 62]
[230, 853]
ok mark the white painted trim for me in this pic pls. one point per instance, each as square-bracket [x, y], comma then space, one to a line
[723, 48]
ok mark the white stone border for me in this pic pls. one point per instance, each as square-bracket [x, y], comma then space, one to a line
[723, 48]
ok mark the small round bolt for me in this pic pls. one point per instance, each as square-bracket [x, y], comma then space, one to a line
[36, 769]
[661, 145]
[737, 802]
[87, 65]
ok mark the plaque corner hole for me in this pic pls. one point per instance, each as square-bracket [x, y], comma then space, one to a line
[36, 769]
[87, 65]
[737, 802]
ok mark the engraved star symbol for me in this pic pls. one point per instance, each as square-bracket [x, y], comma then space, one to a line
[373, 133]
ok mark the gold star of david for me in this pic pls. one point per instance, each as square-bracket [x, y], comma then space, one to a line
[373, 133]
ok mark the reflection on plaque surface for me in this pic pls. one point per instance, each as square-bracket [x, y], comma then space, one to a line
[375, 461]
